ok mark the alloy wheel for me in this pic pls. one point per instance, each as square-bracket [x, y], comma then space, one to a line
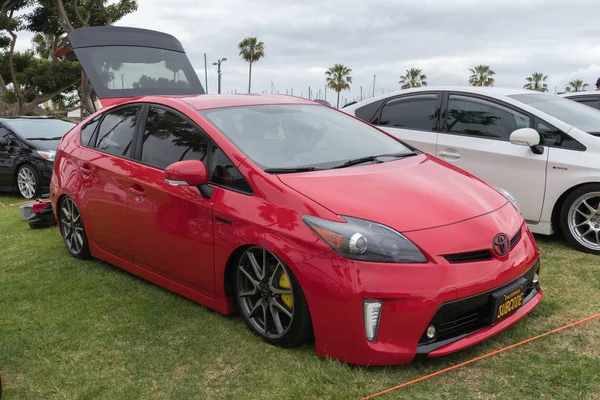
[26, 182]
[71, 226]
[265, 292]
[584, 220]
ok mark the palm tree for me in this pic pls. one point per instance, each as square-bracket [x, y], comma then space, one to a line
[338, 78]
[45, 45]
[413, 78]
[481, 75]
[576, 85]
[251, 50]
[536, 82]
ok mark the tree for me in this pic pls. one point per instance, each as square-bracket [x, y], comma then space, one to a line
[251, 50]
[56, 18]
[536, 82]
[576, 85]
[413, 78]
[481, 75]
[338, 78]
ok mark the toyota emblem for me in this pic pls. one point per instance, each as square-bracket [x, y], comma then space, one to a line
[500, 244]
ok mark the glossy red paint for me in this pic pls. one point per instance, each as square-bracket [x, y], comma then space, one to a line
[175, 237]
[193, 172]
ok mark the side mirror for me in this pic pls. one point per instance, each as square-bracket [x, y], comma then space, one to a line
[3, 142]
[527, 137]
[189, 173]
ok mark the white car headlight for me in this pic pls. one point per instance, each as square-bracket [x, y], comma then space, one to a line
[509, 196]
[48, 155]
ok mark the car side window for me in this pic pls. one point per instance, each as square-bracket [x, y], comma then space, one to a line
[88, 131]
[554, 137]
[222, 172]
[479, 118]
[4, 134]
[168, 138]
[117, 130]
[11, 143]
[413, 112]
[367, 112]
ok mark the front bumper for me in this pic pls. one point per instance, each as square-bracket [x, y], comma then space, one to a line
[413, 297]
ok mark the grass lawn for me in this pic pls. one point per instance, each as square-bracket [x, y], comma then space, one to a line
[85, 330]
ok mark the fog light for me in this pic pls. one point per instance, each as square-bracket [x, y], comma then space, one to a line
[371, 313]
[431, 331]
[536, 278]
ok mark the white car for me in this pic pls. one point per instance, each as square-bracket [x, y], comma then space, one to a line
[543, 149]
[591, 99]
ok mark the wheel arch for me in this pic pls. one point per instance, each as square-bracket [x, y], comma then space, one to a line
[230, 269]
[555, 217]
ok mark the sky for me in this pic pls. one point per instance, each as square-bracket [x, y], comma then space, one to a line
[381, 38]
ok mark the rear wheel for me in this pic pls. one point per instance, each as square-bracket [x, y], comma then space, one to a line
[580, 218]
[28, 182]
[270, 299]
[72, 229]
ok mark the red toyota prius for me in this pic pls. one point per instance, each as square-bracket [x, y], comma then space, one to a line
[306, 221]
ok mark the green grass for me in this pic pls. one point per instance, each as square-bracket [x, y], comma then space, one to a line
[85, 330]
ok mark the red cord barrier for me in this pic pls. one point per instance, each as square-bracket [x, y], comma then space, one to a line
[481, 357]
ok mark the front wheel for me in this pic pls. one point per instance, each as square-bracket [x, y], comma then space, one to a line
[28, 182]
[270, 299]
[72, 229]
[580, 218]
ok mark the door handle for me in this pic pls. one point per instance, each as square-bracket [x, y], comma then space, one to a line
[450, 154]
[137, 191]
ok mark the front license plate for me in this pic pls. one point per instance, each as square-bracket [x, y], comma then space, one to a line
[508, 300]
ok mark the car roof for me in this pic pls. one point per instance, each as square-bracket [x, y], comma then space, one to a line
[485, 90]
[28, 117]
[208, 101]
[578, 94]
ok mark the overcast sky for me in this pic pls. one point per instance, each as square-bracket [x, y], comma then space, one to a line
[444, 38]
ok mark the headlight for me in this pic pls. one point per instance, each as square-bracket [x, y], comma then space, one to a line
[48, 155]
[363, 240]
[509, 196]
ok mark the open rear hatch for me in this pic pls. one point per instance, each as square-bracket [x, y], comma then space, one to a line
[123, 62]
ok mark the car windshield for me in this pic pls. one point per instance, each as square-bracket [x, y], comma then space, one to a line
[294, 136]
[571, 112]
[42, 128]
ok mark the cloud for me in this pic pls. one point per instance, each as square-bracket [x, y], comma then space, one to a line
[384, 38]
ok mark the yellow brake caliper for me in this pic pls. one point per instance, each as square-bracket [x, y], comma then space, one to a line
[284, 283]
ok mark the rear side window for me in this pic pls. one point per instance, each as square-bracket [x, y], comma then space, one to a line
[367, 112]
[117, 130]
[414, 112]
[169, 138]
[88, 131]
[480, 118]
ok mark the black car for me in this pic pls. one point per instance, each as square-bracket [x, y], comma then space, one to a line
[27, 149]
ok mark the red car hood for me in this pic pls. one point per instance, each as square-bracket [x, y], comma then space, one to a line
[418, 192]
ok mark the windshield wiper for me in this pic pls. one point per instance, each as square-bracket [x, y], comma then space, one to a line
[291, 170]
[45, 138]
[361, 160]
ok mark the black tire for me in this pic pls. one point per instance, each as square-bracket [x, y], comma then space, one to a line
[72, 229]
[299, 327]
[570, 218]
[31, 177]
